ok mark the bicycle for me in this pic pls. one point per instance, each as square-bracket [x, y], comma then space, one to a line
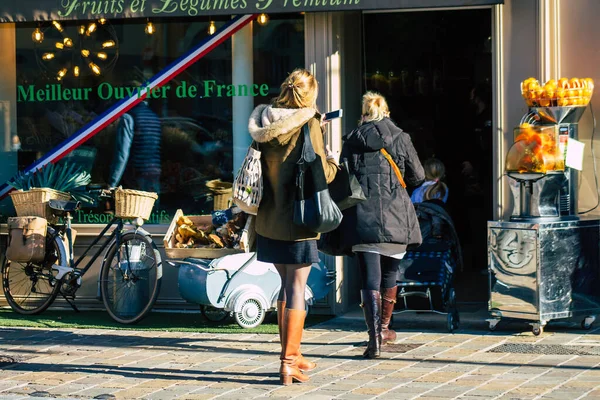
[130, 275]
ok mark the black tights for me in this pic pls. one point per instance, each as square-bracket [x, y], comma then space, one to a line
[376, 271]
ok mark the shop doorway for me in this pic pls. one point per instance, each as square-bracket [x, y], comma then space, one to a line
[435, 70]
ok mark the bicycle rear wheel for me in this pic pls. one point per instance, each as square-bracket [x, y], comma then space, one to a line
[30, 288]
[130, 278]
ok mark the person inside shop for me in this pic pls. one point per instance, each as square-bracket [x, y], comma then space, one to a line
[434, 188]
[292, 249]
[386, 223]
[476, 172]
[137, 160]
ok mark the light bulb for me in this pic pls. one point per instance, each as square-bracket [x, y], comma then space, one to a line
[37, 36]
[58, 26]
[82, 30]
[95, 69]
[91, 28]
[48, 56]
[76, 70]
[262, 19]
[59, 45]
[212, 28]
[150, 28]
[102, 56]
[85, 53]
[68, 42]
[108, 43]
[61, 73]
[102, 21]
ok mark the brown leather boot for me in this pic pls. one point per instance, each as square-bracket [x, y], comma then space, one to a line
[388, 302]
[302, 362]
[293, 326]
[371, 303]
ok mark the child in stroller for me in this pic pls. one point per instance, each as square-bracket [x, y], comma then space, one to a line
[427, 271]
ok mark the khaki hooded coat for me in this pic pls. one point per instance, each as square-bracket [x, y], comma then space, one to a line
[277, 130]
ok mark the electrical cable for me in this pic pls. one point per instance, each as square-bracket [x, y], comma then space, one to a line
[594, 161]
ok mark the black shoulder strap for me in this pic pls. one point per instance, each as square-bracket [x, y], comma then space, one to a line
[308, 151]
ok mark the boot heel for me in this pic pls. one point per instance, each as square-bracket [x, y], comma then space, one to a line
[286, 380]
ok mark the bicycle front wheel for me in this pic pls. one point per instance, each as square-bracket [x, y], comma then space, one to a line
[130, 278]
[30, 288]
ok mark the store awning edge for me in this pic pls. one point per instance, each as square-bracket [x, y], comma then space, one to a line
[44, 10]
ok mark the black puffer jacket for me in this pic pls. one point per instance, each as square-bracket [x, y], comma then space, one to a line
[388, 216]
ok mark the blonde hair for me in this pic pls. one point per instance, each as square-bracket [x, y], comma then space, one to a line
[374, 107]
[435, 171]
[298, 90]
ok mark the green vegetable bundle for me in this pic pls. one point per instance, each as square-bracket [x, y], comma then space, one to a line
[64, 177]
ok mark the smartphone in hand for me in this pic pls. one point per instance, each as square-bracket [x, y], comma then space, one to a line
[333, 115]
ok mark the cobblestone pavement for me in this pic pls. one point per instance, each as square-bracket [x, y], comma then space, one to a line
[426, 362]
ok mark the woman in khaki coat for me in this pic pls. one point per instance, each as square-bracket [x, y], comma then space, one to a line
[291, 248]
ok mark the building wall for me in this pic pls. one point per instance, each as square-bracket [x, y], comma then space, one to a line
[518, 60]
[579, 57]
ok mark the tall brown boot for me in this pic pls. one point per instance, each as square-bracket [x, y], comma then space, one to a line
[302, 362]
[293, 326]
[388, 302]
[371, 303]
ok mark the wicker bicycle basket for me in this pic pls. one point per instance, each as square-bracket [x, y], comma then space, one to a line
[34, 202]
[222, 192]
[132, 204]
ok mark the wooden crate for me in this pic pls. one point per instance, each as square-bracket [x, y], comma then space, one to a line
[200, 252]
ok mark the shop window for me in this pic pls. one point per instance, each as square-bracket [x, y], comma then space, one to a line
[182, 136]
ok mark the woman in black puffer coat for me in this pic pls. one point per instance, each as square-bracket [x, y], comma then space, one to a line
[386, 223]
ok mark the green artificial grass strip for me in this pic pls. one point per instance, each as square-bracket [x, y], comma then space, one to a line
[155, 321]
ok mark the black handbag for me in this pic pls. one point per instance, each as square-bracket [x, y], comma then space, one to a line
[339, 241]
[345, 189]
[313, 206]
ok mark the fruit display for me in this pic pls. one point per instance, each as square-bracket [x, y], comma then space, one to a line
[536, 149]
[226, 235]
[562, 92]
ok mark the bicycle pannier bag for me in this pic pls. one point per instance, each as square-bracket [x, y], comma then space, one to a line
[248, 184]
[26, 239]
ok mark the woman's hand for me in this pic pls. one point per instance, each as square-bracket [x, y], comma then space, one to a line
[330, 155]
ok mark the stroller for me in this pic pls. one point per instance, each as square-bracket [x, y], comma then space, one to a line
[426, 273]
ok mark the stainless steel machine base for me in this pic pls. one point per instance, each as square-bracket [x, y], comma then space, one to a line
[543, 271]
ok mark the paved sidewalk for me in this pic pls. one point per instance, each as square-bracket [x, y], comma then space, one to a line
[426, 362]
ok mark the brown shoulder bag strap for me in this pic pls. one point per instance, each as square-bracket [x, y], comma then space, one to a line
[394, 167]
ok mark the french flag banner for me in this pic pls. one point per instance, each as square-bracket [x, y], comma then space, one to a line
[122, 106]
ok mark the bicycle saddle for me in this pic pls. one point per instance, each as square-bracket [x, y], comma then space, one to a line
[61, 207]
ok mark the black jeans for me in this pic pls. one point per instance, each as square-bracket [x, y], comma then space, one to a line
[376, 271]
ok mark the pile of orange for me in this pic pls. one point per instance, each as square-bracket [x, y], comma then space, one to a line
[564, 92]
[538, 148]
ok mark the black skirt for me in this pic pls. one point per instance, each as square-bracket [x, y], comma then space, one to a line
[284, 252]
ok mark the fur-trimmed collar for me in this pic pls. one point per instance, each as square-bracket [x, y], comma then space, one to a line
[267, 122]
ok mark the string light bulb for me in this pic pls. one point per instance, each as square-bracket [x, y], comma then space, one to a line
[85, 53]
[102, 21]
[150, 29]
[61, 74]
[262, 19]
[108, 43]
[58, 26]
[76, 70]
[47, 56]
[95, 69]
[82, 30]
[68, 42]
[102, 55]
[59, 45]
[91, 28]
[37, 36]
[212, 28]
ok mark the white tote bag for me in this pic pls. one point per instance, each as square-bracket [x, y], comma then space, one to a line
[248, 184]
